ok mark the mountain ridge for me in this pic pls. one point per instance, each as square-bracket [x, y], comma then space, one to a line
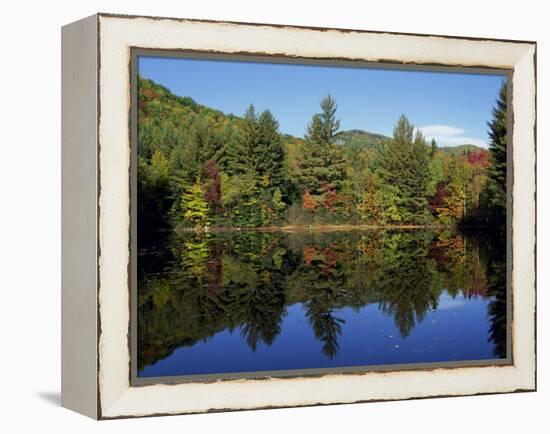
[355, 137]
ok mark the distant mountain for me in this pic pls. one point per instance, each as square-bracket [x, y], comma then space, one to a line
[366, 139]
[154, 97]
[461, 149]
[359, 138]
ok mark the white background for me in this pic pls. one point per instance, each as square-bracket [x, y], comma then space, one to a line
[30, 216]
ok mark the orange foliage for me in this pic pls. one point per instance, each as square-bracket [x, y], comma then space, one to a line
[308, 202]
[309, 253]
[331, 197]
[149, 93]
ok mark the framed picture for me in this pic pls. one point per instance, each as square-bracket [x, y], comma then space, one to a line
[261, 216]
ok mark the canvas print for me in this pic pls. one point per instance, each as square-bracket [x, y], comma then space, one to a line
[296, 218]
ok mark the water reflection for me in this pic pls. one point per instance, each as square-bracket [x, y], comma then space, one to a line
[200, 296]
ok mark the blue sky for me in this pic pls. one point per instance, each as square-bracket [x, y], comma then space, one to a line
[453, 108]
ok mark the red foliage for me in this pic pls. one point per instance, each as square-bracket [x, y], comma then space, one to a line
[436, 201]
[479, 158]
[327, 259]
[331, 256]
[213, 192]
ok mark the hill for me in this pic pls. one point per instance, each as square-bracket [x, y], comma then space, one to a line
[360, 139]
[461, 149]
[155, 99]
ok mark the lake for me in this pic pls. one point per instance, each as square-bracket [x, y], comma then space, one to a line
[249, 301]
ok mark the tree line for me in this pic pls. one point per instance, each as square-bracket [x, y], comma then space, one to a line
[198, 167]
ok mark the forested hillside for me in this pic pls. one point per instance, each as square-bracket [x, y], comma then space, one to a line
[199, 167]
[359, 139]
[461, 149]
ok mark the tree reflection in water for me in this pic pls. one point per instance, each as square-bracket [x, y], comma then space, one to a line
[198, 284]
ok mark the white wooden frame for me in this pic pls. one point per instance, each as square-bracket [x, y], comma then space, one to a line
[96, 216]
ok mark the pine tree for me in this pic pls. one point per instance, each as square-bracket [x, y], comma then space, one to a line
[420, 174]
[240, 153]
[404, 169]
[496, 184]
[230, 153]
[433, 148]
[270, 154]
[322, 163]
[403, 131]
[330, 124]
[205, 139]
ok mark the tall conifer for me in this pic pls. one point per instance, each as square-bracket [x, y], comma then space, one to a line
[404, 169]
[496, 185]
[322, 165]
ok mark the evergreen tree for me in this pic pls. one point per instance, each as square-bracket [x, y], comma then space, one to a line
[330, 124]
[250, 173]
[403, 131]
[228, 157]
[240, 153]
[270, 154]
[496, 184]
[403, 167]
[153, 190]
[322, 164]
[241, 200]
[433, 148]
[421, 177]
[205, 140]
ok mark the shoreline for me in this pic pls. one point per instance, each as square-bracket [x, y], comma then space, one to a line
[318, 228]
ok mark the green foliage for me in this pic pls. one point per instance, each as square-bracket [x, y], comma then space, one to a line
[277, 200]
[322, 164]
[388, 199]
[251, 175]
[194, 255]
[245, 282]
[433, 148]
[153, 189]
[241, 200]
[328, 122]
[460, 150]
[271, 155]
[495, 194]
[194, 206]
[243, 156]
[403, 168]
[359, 139]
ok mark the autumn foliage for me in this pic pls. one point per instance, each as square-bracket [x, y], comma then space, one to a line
[308, 202]
[199, 165]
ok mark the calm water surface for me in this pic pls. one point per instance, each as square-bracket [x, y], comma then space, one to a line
[249, 301]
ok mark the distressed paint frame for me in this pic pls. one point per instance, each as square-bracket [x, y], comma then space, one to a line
[113, 394]
[135, 53]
